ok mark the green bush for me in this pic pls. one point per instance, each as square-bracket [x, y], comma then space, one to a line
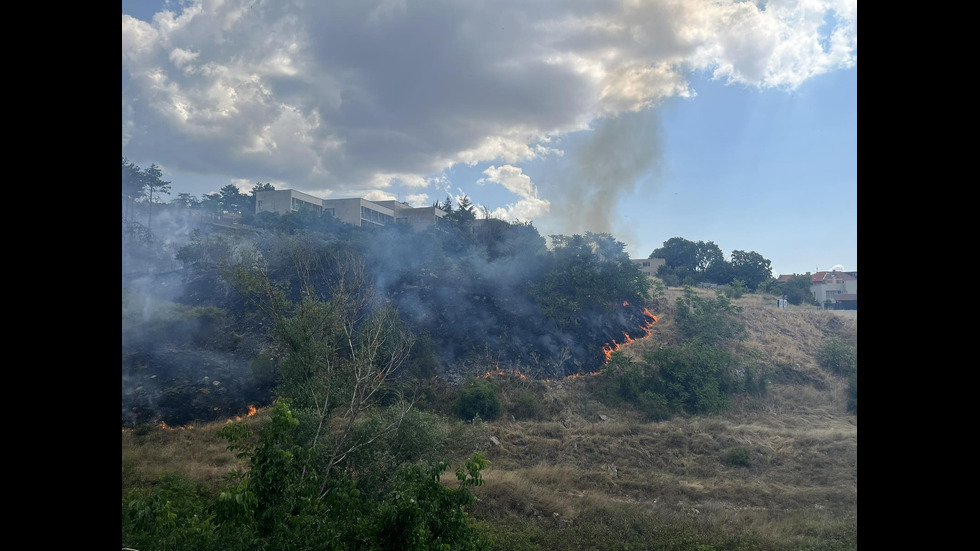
[852, 392]
[838, 356]
[281, 502]
[655, 406]
[478, 397]
[695, 378]
[737, 457]
[735, 289]
[527, 406]
[712, 320]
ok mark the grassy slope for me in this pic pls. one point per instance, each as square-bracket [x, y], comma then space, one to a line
[589, 477]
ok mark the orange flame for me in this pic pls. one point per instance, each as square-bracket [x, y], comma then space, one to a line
[647, 329]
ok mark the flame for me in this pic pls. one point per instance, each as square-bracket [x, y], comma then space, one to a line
[647, 329]
[251, 410]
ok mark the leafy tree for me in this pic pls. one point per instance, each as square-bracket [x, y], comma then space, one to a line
[276, 502]
[751, 267]
[687, 262]
[678, 252]
[340, 346]
[797, 290]
[591, 275]
[707, 256]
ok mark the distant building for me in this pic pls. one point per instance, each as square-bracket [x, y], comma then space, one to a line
[354, 211]
[283, 201]
[649, 266]
[833, 290]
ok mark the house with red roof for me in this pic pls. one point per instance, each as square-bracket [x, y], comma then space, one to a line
[834, 290]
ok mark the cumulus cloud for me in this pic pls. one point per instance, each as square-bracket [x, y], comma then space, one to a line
[348, 97]
[514, 180]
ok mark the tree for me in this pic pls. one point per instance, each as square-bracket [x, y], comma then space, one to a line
[133, 187]
[153, 180]
[751, 267]
[678, 252]
[185, 201]
[797, 290]
[211, 202]
[340, 346]
[591, 275]
[464, 213]
[707, 255]
[232, 200]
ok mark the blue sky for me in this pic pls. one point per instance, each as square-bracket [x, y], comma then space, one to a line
[727, 122]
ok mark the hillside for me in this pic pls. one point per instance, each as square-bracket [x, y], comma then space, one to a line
[575, 472]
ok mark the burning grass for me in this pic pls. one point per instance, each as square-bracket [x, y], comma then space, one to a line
[575, 473]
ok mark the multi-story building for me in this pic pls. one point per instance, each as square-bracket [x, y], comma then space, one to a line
[282, 201]
[354, 211]
[649, 266]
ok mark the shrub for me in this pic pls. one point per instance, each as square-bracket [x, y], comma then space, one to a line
[528, 406]
[478, 397]
[654, 406]
[737, 457]
[838, 356]
[735, 289]
[852, 392]
[695, 378]
[712, 320]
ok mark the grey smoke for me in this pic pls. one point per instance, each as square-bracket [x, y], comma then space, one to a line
[612, 161]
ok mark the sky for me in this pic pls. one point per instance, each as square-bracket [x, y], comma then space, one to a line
[710, 120]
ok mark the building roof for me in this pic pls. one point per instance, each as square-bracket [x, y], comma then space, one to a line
[821, 277]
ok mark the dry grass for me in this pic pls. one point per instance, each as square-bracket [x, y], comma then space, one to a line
[196, 452]
[802, 446]
[582, 463]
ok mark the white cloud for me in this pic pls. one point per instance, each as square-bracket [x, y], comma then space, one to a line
[514, 180]
[419, 200]
[354, 96]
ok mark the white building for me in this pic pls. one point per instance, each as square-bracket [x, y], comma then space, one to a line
[354, 211]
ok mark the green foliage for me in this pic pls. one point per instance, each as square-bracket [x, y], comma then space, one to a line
[174, 515]
[751, 267]
[735, 289]
[277, 502]
[478, 397]
[852, 392]
[737, 457]
[695, 378]
[527, 406]
[205, 251]
[838, 356]
[713, 321]
[797, 290]
[591, 275]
